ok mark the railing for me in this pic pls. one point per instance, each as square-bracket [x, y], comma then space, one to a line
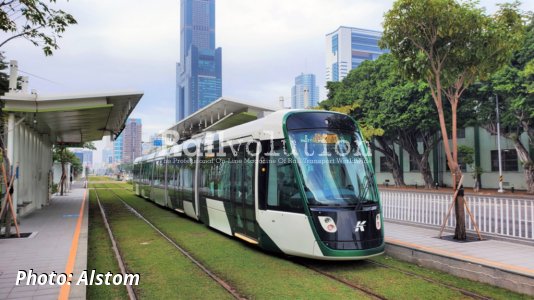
[493, 215]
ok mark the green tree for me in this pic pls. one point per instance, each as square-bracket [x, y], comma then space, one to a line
[514, 85]
[34, 20]
[397, 110]
[449, 44]
[63, 155]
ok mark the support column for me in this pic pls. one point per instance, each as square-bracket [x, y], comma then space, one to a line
[17, 151]
[32, 169]
[477, 153]
[11, 145]
[22, 181]
[23, 168]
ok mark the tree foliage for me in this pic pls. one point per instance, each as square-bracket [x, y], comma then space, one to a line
[514, 85]
[34, 20]
[449, 44]
[389, 108]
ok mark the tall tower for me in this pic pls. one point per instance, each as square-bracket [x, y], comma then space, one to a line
[199, 72]
[305, 92]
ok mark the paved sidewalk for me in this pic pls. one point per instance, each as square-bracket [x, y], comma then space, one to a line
[47, 249]
[502, 263]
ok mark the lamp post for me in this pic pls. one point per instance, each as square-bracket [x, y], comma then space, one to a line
[500, 190]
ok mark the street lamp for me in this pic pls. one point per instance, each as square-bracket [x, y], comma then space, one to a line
[500, 190]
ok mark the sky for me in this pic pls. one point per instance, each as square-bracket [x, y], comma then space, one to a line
[122, 45]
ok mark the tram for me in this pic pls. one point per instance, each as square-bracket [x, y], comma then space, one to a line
[297, 182]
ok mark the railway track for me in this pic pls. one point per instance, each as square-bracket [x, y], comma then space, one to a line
[431, 280]
[229, 288]
[355, 286]
[131, 292]
[375, 295]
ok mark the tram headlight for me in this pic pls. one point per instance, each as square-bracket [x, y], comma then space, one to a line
[328, 224]
[378, 222]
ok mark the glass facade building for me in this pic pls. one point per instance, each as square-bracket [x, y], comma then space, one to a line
[127, 146]
[199, 72]
[305, 86]
[347, 48]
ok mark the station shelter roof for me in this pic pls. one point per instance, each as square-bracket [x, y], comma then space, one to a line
[221, 114]
[76, 118]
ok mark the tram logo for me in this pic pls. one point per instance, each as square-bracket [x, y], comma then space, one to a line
[360, 226]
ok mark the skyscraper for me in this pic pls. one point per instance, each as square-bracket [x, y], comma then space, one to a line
[347, 48]
[305, 92]
[127, 146]
[117, 149]
[132, 134]
[198, 74]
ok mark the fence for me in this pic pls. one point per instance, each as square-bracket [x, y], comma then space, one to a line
[493, 215]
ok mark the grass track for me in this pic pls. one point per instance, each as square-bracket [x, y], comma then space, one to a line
[164, 272]
[100, 256]
[389, 283]
[260, 275]
[255, 274]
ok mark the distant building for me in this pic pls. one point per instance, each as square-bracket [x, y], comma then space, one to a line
[347, 48]
[305, 92]
[117, 149]
[85, 156]
[199, 72]
[131, 141]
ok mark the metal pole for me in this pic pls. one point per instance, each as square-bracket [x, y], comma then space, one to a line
[500, 190]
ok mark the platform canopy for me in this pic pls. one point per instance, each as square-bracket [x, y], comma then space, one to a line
[76, 118]
[221, 114]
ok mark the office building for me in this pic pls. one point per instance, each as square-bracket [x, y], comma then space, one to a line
[198, 74]
[131, 140]
[305, 92]
[117, 149]
[347, 48]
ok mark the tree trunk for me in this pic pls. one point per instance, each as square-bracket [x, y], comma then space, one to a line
[528, 164]
[397, 173]
[410, 144]
[385, 147]
[459, 231]
[529, 177]
[424, 168]
[63, 175]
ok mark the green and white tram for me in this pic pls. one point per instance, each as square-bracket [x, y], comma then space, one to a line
[297, 182]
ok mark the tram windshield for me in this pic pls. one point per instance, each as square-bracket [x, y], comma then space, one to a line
[334, 167]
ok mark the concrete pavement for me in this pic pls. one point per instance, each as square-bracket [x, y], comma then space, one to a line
[48, 249]
[501, 263]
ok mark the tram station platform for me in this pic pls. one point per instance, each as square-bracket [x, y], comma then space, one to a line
[58, 243]
[507, 264]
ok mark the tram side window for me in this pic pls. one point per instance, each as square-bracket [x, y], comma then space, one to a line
[207, 182]
[188, 170]
[248, 183]
[171, 172]
[282, 187]
[224, 175]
